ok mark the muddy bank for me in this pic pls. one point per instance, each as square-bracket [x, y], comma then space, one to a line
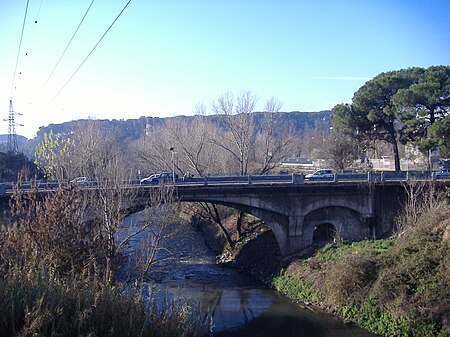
[256, 252]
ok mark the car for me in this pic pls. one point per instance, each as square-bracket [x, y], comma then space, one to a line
[444, 173]
[167, 177]
[320, 175]
[159, 178]
[150, 179]
[80, 181]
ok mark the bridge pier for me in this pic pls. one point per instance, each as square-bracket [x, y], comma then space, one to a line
[296, 225]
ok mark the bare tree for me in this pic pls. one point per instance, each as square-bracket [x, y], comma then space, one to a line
[314, 140]
[420, 198]
[191, 139]
[155, 234]
[93, 149]
[238, 121]
[212, 213]
[236, 113]
[99, 156]
[152, 151]
[340, 151]
[274, 140]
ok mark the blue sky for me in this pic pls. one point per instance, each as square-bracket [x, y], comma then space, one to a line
[162, 57]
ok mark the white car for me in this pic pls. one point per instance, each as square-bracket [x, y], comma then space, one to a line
[320, 175]
[80, 180]
[444, 173]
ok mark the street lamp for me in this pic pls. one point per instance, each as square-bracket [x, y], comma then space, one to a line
[172, 150]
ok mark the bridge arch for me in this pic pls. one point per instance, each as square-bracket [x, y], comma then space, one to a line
[323, 233]
[277, 222]
[346, 223]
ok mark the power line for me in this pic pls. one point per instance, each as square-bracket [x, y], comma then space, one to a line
[39, 10]
[63, 53]
[33, 33]
[20, 45]
[98, 42]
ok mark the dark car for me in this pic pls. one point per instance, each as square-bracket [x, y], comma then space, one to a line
[159, 178]
[167, 177]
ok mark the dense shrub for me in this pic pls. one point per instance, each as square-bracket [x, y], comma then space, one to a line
[297, 289]
[37, 302]
[353, 285]
[416, 279]
[51, 227]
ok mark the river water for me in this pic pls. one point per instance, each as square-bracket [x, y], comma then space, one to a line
[238, 306]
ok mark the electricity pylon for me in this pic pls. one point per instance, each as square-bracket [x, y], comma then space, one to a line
[12, 136]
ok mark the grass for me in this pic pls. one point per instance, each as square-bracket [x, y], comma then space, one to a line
[331, 252]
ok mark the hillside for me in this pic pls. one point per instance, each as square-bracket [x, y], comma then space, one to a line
[131, 129]
[20, 139]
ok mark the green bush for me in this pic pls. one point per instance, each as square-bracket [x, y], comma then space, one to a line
[332, 252]
[378, 318]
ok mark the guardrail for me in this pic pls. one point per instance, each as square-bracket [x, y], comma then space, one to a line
[300, 178]
[371, 176]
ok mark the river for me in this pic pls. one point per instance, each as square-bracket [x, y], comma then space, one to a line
[238, 305]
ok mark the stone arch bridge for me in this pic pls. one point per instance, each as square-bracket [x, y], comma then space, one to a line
[295, 209]
[294, 212]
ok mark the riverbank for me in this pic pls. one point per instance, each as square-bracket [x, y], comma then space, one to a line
[397, 287]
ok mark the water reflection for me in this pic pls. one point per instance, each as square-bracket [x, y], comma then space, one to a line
[237, 305]
[262, 312]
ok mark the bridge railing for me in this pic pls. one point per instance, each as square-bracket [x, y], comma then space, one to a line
[296, 179]
[235, 179]
[299, 178]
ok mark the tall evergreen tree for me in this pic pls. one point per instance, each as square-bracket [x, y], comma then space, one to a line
[376, 111]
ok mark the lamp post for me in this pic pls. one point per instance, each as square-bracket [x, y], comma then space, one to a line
[172, 150]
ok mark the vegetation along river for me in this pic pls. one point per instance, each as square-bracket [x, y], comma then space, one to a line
[238, 305]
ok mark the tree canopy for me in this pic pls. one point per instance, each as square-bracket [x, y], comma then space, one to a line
[399, 106]
[424, 108]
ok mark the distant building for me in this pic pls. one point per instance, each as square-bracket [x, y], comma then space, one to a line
[297, 162]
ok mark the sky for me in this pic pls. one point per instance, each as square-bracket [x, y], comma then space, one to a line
[161, 58]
